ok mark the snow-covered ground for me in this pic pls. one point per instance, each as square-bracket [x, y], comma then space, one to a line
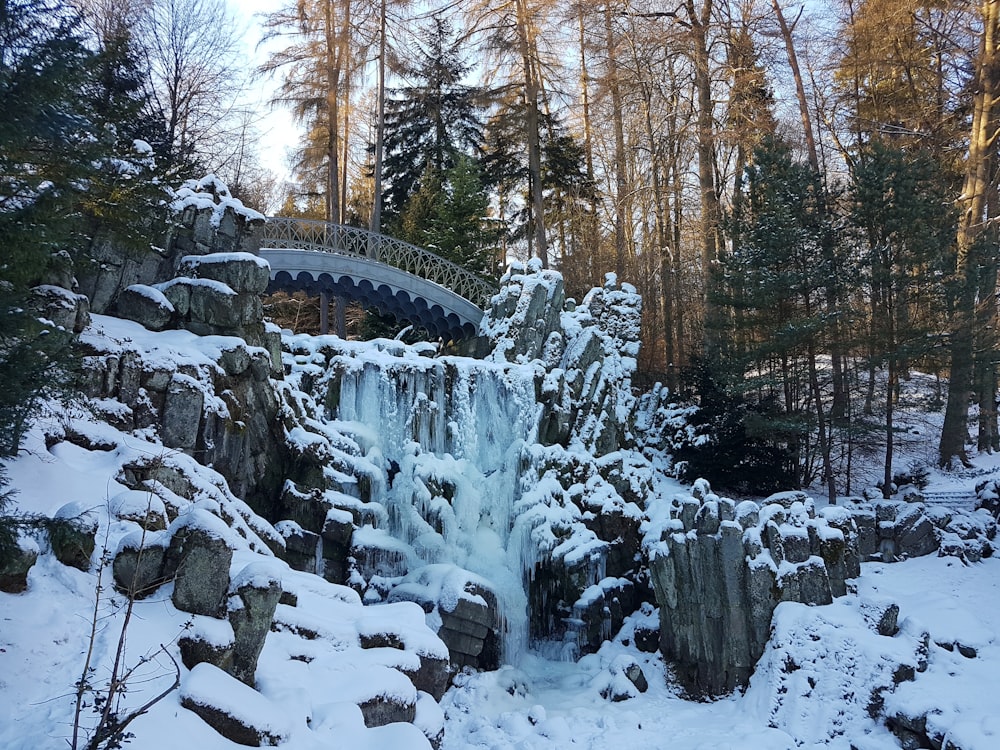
[811, 688]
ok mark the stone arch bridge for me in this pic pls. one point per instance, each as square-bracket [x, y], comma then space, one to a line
[412, 284]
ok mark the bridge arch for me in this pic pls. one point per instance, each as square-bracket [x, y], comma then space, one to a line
[399, 279]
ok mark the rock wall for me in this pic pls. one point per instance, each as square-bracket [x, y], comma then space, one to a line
[587, 353]
[205, 219]
[719, 568]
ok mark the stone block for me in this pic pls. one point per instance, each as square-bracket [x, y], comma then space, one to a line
[254, 595]
[182, 413]
[242, 273]
[14, 569]
[200, 559]
[145, 305]
[138, 564]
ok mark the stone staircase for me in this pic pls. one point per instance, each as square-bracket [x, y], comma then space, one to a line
[955, 499]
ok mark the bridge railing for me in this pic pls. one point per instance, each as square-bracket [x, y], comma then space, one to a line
[308, 234]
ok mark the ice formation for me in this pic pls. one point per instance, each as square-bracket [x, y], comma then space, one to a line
[475, 496]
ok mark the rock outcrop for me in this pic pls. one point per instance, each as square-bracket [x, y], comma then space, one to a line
[253, 597]
[14, 567]
[204, 218]
[891, 530]
[719, 569]
[198, 558]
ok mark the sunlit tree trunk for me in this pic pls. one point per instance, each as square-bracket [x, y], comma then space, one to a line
[972, 205]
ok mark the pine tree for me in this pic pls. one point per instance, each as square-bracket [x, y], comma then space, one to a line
[431, 123]
[776, 280]
[48, 139]
[63, 180]
[448, 215]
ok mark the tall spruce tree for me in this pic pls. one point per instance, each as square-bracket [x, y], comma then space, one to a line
[900, 207]
[65, 177]
[431, 123]
[448, 215]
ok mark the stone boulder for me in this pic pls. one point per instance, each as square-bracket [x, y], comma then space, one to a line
[395, 627]
[523, 316]
[145, 305]
[624, 679]
[198, 558]
[14, 568]
[376, 553]
[890, 530]
[600, 612]
[209, 220]
[244, 273]
[144, 508]
[237, 712]
[467, 608]
[208, 641]
[338, 534]
[380, 710]
[66, 309]
[470, 630]
[138, 565]
[253, 597]
[302, 548]
[72, 534]
[182, 412]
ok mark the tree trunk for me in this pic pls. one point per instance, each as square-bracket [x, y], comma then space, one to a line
[333, 64]
[621, 187]
[972, 203]
[711, 212]
[986, 358]
[591, 239]
[532, 88]
[376, 218]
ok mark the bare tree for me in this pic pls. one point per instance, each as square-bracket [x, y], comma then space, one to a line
[192, 52]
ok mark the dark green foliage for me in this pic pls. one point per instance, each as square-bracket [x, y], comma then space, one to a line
[505, 168]
[432, 123]
[736, 444]
[776, 279]
[37, 363]
[779, 290]
[69, 177]
[902, 209]
[8, 523]
[48, 141]
[447, 215]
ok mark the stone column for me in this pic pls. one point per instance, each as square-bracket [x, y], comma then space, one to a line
[324, 313]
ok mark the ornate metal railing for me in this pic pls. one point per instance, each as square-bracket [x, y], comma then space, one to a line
[307, 234]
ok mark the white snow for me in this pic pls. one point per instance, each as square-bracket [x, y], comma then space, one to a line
[207, 685]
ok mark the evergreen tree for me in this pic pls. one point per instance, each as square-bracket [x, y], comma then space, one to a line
[432, 123]
[568, 191]
[64, 180]
[900, 206]
[48, 139]
[775, 283]
[448, 215]
[733, 441]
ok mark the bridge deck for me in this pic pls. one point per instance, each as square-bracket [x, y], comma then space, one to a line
[402, 280]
